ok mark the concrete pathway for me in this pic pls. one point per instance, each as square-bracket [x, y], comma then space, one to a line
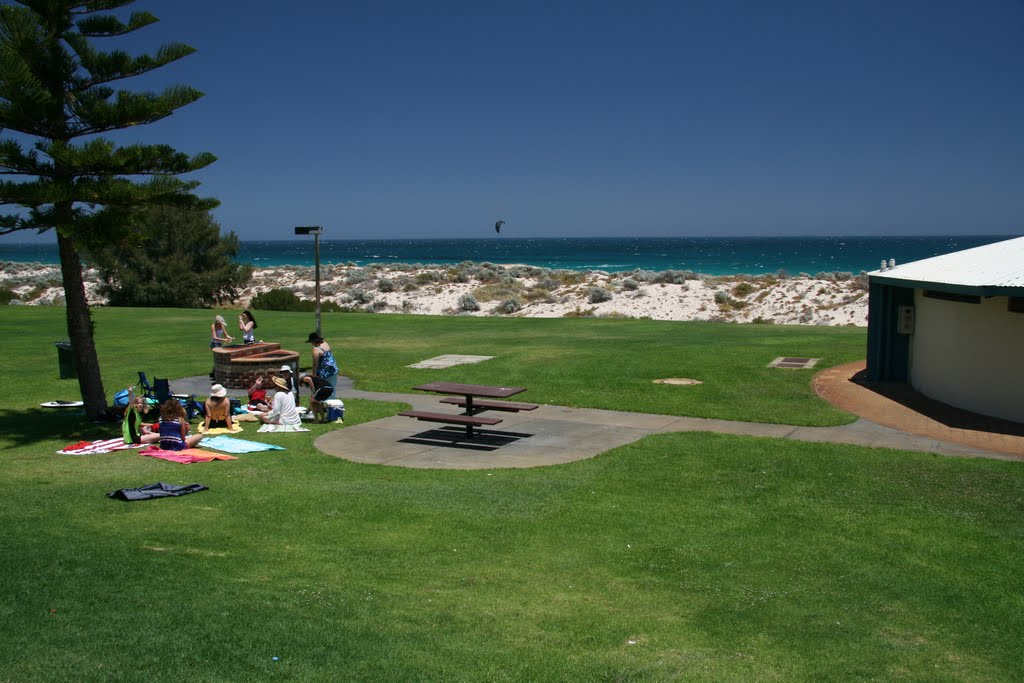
[553, 435]
[556, 434]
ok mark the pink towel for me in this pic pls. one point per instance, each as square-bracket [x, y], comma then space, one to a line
[189, 455]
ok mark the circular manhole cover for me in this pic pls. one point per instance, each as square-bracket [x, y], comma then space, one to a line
[678, 381]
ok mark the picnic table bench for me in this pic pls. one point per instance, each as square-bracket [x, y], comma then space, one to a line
[464, 396]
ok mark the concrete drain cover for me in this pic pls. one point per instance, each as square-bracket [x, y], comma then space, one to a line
[678, 381]
[448, 361]
[794, 363]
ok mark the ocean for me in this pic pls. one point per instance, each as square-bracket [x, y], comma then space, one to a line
[709, 255]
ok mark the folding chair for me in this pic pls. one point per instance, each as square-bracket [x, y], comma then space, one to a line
[147, 390]
[161, 389]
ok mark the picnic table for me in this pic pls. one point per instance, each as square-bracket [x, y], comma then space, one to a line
[467, 396]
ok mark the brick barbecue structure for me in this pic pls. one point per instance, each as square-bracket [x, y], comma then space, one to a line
[237, 366]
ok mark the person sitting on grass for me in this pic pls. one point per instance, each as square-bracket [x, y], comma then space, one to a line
[174, 427]
[217, 409]
[258, 396]
[320, 390]
[282, 411]
[133, 428]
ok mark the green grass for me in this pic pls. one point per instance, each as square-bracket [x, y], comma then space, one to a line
[679, 557]
[578, 362]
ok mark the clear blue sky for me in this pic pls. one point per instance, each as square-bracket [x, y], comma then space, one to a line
[381, 119]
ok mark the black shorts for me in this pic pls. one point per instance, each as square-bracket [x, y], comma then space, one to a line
[218, 424]
[323, 393]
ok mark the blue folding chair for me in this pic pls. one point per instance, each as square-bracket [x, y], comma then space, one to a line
[147, 390]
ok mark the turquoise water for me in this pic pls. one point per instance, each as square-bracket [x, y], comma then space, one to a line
[710, 255]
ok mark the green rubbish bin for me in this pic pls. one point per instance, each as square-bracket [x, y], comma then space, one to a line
[66, 360]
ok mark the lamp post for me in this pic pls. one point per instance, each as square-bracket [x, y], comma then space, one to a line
[316, 231]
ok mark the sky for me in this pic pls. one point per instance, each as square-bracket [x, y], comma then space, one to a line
[391, 119]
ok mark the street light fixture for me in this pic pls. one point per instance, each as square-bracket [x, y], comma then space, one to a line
[316, 231]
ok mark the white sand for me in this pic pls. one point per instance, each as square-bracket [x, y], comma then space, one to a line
[799, 300]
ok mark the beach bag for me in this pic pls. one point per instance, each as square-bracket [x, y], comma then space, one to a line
[121, 399]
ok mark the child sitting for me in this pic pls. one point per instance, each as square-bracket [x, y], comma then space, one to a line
[174, 427]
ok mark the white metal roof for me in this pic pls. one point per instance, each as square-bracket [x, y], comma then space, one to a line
[989, 268]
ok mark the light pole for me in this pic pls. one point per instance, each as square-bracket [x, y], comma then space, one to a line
[316, 231]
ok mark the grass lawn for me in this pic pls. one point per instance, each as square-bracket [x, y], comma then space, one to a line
[679, 557]
[595, 363]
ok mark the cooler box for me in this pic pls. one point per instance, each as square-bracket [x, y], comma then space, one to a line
[335, 410]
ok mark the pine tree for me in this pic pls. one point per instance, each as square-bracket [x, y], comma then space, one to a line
[56, 93]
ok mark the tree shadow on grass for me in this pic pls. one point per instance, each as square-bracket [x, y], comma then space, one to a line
[25, 427]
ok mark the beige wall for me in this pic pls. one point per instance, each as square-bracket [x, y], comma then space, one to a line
[969, 355]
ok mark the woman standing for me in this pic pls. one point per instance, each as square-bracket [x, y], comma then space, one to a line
[247, 323]
[219, 333]
[324, 365]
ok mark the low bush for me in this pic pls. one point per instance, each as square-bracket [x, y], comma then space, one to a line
[282, 299]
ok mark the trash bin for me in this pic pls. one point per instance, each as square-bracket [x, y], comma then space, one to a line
[66, 360]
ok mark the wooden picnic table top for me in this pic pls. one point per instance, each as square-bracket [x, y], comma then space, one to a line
[470, 389]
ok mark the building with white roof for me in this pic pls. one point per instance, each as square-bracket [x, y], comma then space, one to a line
[953, 327]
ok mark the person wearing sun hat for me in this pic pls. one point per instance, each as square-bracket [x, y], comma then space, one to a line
[324, 365]
[217, 409]
[286, 373]
[282, 410]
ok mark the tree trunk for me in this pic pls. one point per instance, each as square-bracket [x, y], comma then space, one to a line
[80, 330]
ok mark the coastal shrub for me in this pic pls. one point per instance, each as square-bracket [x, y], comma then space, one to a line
[357, 277]
[486, 275]
[361, 296]
[762, 321]
[499, 291]
[407, 306]
[629, 284]
[742, 289]
[579, 313]
[427, 277]
[861, 281]
[467, 302]
[281, 299]
[7, 295]
[569, 277]
[596, 295]
[385, 285]
[379, 305]
[537, 294]
[509, 306]
[549, 283]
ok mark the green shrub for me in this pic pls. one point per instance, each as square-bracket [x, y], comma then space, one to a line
[467, 302]
[596, 295]
[7, 295]
[742, 289]
[282, 299]
[509, 306]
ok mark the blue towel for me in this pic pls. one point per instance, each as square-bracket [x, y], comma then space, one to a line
[230, 444]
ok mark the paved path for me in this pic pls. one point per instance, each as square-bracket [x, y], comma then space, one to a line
[552, 435]
[555, 434]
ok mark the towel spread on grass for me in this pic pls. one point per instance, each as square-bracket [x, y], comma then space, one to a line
[157, 490]
[222, 430]
[282, 428]
[186, 456]
[229, 444]
[96, 447]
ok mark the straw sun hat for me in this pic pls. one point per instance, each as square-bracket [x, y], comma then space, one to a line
[279, 381]
[218, 391]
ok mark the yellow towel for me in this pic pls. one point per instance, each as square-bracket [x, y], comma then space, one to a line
[221, 430]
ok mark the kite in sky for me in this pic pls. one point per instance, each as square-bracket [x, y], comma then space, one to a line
[497, 226]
